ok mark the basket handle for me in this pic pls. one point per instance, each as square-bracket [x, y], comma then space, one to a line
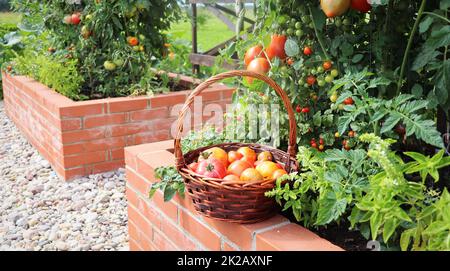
[179, 159]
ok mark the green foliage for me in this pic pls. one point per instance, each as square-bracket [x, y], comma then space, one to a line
[171, 183]
[368, 111]
[431, 230]
[202, 138]
[58, 73]
[427, 165]
[10, 43]
[101, 38]
[366, 189]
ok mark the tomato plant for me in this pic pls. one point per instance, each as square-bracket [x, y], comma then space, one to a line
[115, 42]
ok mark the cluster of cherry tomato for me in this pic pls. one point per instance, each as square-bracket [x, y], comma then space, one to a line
[241, 166]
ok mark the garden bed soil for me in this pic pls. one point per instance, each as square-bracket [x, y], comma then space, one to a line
[86, 137]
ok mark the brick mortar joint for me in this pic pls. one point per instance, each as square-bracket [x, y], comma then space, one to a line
[266, 229]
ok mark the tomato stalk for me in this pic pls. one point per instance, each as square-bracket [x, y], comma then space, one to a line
[319, 37]
[408, 47]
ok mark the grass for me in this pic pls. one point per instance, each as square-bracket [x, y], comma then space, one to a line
[9, 18]
[211, 30]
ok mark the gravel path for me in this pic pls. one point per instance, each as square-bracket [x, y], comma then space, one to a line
[38, 211]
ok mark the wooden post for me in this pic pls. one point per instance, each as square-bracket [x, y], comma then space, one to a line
[195, 67]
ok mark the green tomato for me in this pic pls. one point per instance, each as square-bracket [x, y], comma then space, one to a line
[313, 71]
[306, 85]
[329, 79]
[338, 22]
[321, 82]
[109, 65]
[334, 73]
[320, 69]
[290, 31]
[306, 19]
[333, 98]
[283, 69]
[299, 33]
[347, 22]
[298, 25]
[283, 32]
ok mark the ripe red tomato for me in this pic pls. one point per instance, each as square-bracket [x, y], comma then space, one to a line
[307, 51]
[216, 153]
[133, 41]
[76, 18]
[212, 168]
[298, 109]
[351, 134]
[314, 145]
[237, 167]
[276, 47]
[193, 166]
[234, 156]
[349, 101]
[249, 155]
[361, 5]
[311, 80]
[253, 53]
[333, 8]
[327, 65]
[259, 65]
[305, 110]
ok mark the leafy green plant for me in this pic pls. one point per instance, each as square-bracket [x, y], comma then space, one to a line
[171, 182]
[431, 230]
[367, 112]
[427, 165]
[115, 42]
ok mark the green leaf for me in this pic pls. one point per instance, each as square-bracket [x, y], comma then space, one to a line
[417, 156]
[417, 91]
[390, 122]
[343, 123]
[436, 227]
[442, 82]
[291, 47]
[375, 224]
[405, 239]
[389, 228]
[169, 193]
[402, 215]
[330, 208]
[425, 24]
[357, 58]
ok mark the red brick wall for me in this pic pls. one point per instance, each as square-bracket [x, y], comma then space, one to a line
[158, 225]
[80, 138]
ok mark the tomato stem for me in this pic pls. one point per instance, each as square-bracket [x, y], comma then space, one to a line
[408, 47]
[319, 37]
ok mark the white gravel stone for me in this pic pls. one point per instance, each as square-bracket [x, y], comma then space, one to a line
[39, 211]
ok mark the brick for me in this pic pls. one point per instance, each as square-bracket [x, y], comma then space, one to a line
[73, 149]
[148, 162]
[139, 220]
[84, 158]
[128, 129]
[104, 144]
[169, 208]
[162, 244]
[292, 237]
[117, 154]
[70, 124]
[134, 246]
[136, 182]
[149, 114]
[201, 232]
[212, 94]
[107, 166]
[72, 173]
[228, 247]
[242, 234]
[163, 124]
[81, 109]
[104, 120]
[174, 233]
[159, 135]
[127, 104]
[82, 135]
[228, 93]
[145, 208]
[167, 100]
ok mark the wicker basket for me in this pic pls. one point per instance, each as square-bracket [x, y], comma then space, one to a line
[234, 201]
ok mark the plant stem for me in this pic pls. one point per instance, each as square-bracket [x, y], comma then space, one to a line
[437, 15]
[408, 47]
[319, 37]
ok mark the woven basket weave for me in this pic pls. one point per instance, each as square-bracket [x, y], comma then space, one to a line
[229, 201]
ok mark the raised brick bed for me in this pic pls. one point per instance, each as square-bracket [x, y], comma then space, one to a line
[81, 138]
[158, 225]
